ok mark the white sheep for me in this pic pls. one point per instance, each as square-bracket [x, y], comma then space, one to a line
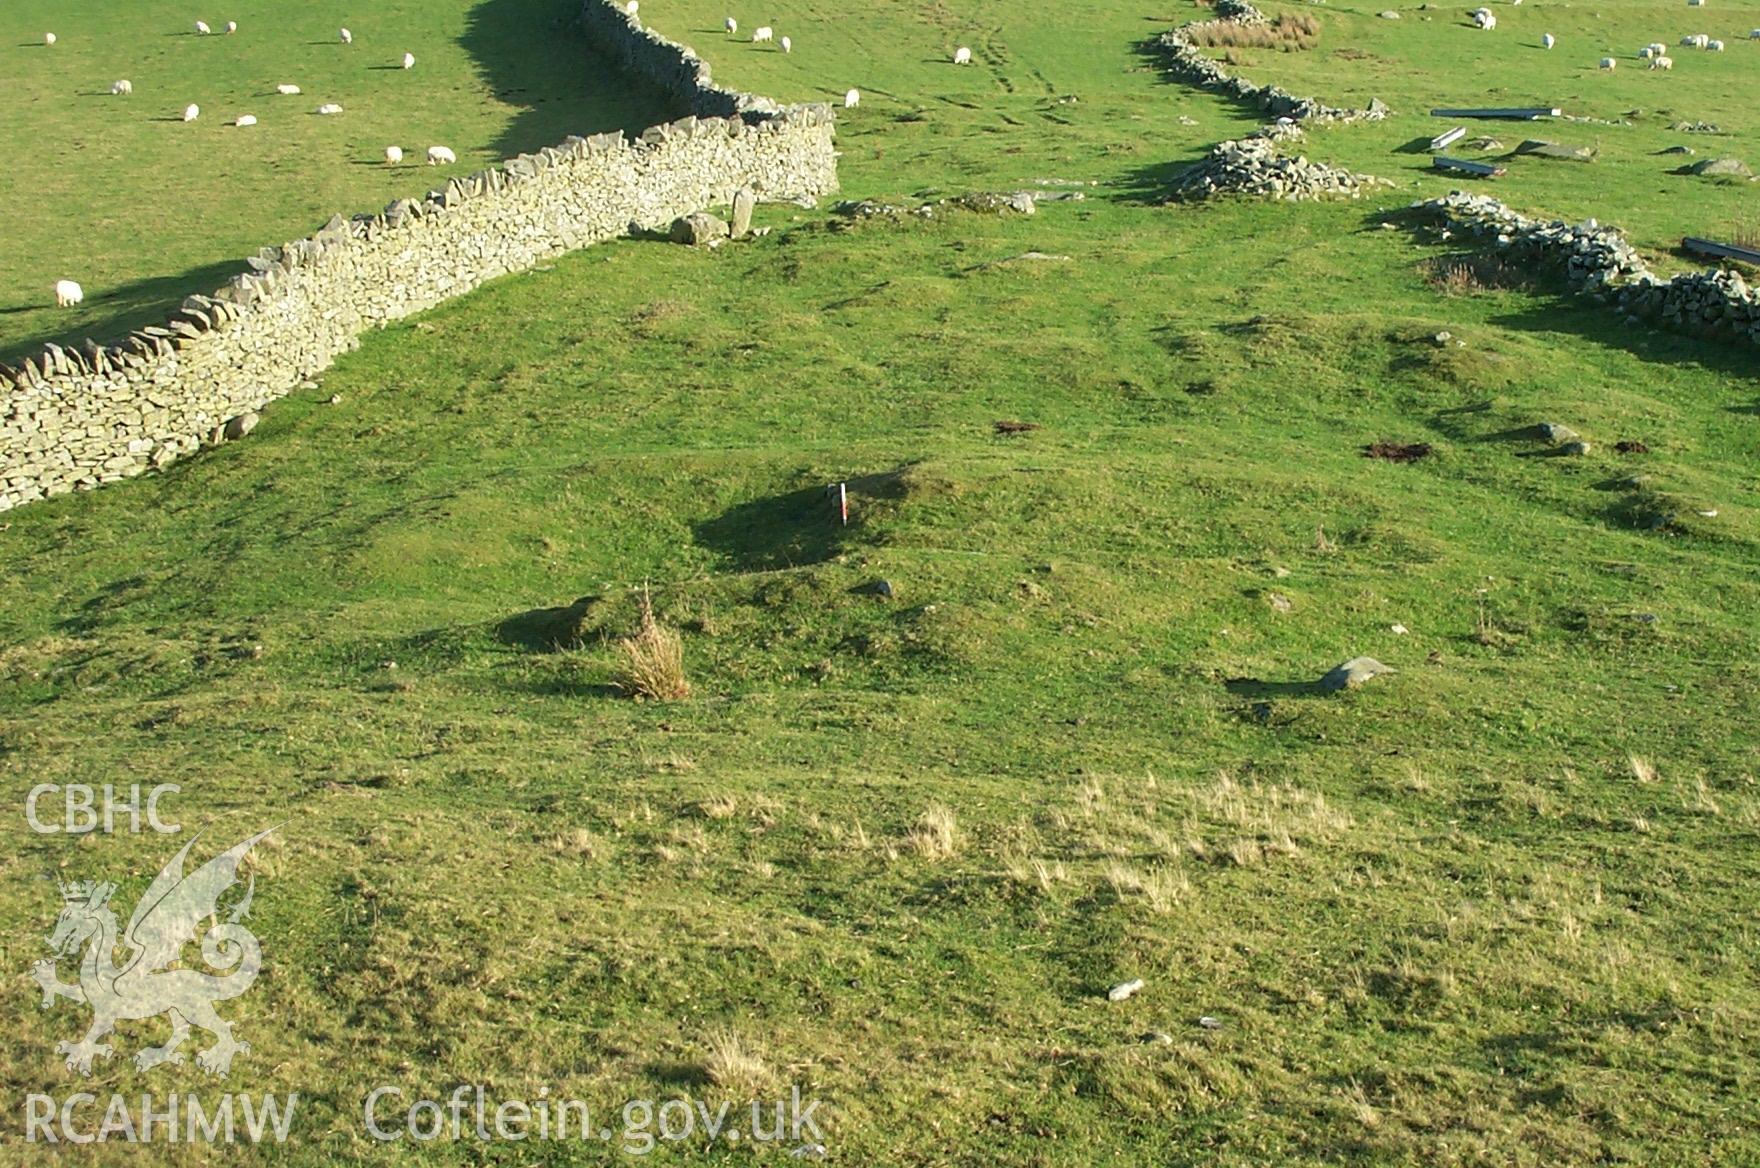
[731, 25]
[287, 90]
[1647, 52]
[49, 38]
[439, 154]
[1701, 41]
[68, 294]
[393, 155]
[852, 99]
[329, 107]
[787, 45]
[245, 120]
[409, 60]
[1715, 46]
[122, 87]
[763, 34]
[1695, 3]
[191, 112]
[962, 56]
[347, 37]
[1657, 48]
[1547, 41]
[633, 7]
[1755, 35]
[1485, 19]
[202, 28]
[232, 26]
[1662, 63]
[1608, 63]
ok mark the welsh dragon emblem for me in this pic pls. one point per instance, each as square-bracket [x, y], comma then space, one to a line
[164, 921]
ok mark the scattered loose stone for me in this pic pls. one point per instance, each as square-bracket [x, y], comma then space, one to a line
[881, 588]
[1721, 167]
[1279, 601]
[698, 228]
[743, 201]
[240, 426]
[1210, 1023]
[1353, 673]
[1156, 1038]
[1400, 630]
[1578, 447]
[1124, 989]
[1556, 433]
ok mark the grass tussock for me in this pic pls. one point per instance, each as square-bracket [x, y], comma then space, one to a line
[935, 836]
[652, 665]
[1289, 33]
[1471, 274]
[733, 1065]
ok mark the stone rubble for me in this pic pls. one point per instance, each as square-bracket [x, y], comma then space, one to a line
[1598, 262]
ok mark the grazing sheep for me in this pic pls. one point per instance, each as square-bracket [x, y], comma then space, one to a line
[1755, 35]
[787, 45]
[1608, 63]
[409, 60]
[763, 34]
[1701, 41]
[393, 155]
[439, 154]
[1547, 41]
[1647, 52]
[731, 25]
[329, 107]
[245, 120]
[962, 56]
[852, 99]
[191, 112]
[1662, 63]
[232, 26]
[1695, 3]
[122, 87]
[68, 294]
[1485, 20]
[202, 28]
[1715, 46]
[287, 90]
[49, 38]
[347, 37]
[1657, 48]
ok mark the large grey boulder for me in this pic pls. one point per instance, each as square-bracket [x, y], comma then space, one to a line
[1730, 167]
[1353, 673]
[698, 228]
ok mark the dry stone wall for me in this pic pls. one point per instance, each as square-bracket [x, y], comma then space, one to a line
[1597, 261]
[76, 417]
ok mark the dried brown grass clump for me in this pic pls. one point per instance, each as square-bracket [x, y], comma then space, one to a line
[653, 660]
[1467, 275]
[936, 834]
[1289, 33]
[734, 1066]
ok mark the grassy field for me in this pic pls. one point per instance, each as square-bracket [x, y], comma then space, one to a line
[1497, 908]
[141, 209]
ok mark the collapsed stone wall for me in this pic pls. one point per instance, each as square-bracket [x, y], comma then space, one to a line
[1597, 261]
[1254, 166]
[1190, 63]
[75, 417]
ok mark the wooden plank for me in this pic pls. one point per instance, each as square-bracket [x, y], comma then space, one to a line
[1517, 113]
[1445, 140]
[1726, 251]
[1483, 169]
